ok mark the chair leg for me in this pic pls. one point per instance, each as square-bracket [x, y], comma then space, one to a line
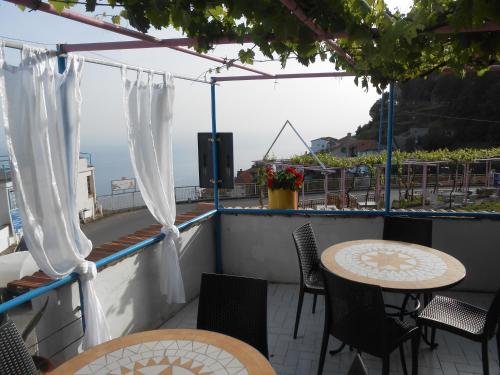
[415, 343]
[498, 344]
[484, 349]
[385, 365]
[403, 306]
[314, 303]
[322, 355]
[299, 310]
[433, 338]
[403, 359]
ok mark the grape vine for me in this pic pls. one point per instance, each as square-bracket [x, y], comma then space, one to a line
[386, 46]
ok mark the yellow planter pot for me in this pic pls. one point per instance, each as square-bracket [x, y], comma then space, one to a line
[281, 199]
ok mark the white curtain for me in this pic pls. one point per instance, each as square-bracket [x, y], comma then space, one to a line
[40, 112]
[148, 114]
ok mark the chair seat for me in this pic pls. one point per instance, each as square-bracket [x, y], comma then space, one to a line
[454, 315]
[314, 280]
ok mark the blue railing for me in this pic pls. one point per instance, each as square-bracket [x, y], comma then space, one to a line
[72, 277]
[362, 212]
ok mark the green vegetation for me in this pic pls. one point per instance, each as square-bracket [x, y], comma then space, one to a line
[483, 206]
[384, 46]
[440, 111]
[398, 157]
[407, 203]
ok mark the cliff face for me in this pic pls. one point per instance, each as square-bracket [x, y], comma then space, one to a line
[442, 111]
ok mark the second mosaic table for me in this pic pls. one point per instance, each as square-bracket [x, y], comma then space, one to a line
[394, 266]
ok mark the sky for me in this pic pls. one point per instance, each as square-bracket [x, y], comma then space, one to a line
[253, 111]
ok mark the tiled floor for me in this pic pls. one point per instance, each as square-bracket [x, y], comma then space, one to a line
[454, 356]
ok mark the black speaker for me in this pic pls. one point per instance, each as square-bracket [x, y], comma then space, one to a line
[225, 157]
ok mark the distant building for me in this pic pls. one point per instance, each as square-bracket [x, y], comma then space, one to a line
[345, 147]
[351, 146]
[247, 176]
[10, 219]
[366, 147]
[323, 144]
[86, 197]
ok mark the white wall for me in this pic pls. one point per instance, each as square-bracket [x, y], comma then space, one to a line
[83, 200]
[262, 246]
[4, 203]
[4, 237]
[319, 145]
[129, 293]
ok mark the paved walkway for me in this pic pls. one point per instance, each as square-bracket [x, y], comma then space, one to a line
[454, 356]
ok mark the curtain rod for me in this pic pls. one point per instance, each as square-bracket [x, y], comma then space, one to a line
[16, 45]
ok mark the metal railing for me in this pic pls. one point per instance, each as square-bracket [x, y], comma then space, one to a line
[192, 193]
[72, 277]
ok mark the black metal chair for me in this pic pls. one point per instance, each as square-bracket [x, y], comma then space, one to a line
[311, 280]
[464, 320]
[357, 367]
[406, 229]
[14, 357]
[235, 306]
[356, 316]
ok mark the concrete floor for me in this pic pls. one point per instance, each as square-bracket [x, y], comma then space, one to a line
[454, 355]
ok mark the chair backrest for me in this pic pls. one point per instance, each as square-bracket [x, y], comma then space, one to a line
[235, 306]
[307, 250]
[14, 357]
[357, 367]
[493, 316]
[407, 229]
[355, 313]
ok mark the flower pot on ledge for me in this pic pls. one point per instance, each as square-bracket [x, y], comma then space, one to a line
[282, 199]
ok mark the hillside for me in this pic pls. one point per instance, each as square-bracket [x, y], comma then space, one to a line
[442, 111]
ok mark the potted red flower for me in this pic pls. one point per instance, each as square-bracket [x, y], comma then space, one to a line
[282, 188]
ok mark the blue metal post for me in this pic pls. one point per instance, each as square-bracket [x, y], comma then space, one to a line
[381, 115]
[388, 165]
[215, 166]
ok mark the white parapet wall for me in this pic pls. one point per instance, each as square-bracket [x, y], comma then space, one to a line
[129, 292]
[262, 245]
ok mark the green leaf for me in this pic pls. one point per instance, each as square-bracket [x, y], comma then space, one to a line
[116, 19]
[59, 6]
[246, 56]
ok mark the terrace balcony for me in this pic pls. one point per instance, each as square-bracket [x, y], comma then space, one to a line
[260, 245]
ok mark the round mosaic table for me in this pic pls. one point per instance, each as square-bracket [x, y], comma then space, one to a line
[170, 352]
[393, 265]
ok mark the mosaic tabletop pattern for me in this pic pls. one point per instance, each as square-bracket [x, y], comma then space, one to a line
[393, 261]
[172, 356]
[167, 357]
[393, 264]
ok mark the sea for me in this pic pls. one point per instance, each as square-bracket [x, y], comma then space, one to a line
[112, 162]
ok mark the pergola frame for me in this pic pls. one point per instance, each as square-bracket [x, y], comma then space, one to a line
[148, 41]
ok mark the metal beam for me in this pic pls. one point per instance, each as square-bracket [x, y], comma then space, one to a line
[328, 38]
[388, 165]
[59, 54]
[138, 44]
[222, 61]
[285, 76]
[47, 8]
